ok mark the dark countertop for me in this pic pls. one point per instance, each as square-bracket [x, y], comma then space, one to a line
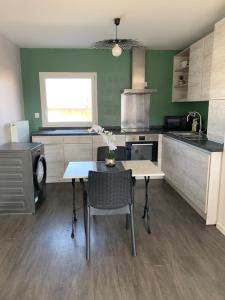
[203, 144]
[84, 131]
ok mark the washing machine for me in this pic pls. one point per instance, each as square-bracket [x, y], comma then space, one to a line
[22, 177]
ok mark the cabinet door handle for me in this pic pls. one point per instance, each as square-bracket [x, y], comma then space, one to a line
[141, 144]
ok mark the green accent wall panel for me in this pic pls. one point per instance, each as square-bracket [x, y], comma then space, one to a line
[113, 76]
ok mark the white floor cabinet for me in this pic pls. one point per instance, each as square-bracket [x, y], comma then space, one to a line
[194, 173]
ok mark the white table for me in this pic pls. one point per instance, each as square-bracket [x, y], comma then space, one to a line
[140, 168]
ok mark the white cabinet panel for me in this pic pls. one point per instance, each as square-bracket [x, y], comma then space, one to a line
[200, 69]
[77, 152]
[195, 70]
[217, 89]
[55, 162]
[187, 168]
[207, 65]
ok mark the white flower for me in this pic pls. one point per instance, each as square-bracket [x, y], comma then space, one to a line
[96, 128]
[107, 136]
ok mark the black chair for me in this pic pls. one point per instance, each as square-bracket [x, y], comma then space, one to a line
[121, 153]
[108, 193]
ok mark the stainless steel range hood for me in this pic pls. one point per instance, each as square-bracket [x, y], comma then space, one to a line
[135, 102]
[138, 73]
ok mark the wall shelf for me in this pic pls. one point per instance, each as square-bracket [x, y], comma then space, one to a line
[180, 91]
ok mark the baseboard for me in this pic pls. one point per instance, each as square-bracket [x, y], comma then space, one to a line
[221, 228]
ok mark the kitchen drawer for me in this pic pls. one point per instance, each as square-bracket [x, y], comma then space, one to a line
[47, 139]
[77, 139]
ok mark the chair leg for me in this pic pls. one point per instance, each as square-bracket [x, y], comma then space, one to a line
[132, 231]
[85, 211]
[88, 234]
[127, 221]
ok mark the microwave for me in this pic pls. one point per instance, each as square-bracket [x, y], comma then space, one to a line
[177, 123]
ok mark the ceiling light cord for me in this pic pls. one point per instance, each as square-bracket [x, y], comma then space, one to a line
[116, 35]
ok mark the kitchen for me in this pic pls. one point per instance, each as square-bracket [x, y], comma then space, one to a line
[183, 207]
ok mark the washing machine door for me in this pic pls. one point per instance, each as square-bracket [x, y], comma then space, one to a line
[40, 171]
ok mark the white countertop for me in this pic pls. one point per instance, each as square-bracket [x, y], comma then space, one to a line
[140, 168]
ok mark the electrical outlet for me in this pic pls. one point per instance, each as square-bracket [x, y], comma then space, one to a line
[37, 115]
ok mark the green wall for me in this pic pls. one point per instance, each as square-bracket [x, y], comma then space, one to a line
[113, 75]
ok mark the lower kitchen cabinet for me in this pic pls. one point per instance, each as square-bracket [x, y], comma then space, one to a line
[59, 150]
[194, 174]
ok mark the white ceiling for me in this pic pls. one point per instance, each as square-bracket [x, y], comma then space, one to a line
[159, 24]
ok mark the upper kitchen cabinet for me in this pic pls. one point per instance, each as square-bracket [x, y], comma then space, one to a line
[193, 84]
[180, 76]
[195, 71]
[217, 89]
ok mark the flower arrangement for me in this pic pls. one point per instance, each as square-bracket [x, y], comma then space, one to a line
[108, 138]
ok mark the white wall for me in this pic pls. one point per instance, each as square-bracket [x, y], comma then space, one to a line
[11, 103]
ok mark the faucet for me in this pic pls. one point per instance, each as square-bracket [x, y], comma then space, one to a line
[195, 114]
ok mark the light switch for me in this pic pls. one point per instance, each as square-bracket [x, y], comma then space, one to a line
[37, 115]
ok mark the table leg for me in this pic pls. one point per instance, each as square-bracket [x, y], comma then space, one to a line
[146, 215]
[74, 217]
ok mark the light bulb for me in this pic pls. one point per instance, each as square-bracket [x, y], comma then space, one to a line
[116, 50]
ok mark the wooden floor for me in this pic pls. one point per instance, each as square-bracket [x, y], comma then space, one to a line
[181, 259]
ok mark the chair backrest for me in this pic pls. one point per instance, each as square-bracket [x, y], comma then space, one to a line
[121, 153]
[110, 190]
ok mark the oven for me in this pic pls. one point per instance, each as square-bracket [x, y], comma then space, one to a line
[142, 146]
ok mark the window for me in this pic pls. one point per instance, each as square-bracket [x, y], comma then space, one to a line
[68, 99]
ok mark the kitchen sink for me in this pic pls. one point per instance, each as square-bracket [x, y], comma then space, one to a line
[191, 135]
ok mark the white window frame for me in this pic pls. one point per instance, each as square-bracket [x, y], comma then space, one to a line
[44, 110]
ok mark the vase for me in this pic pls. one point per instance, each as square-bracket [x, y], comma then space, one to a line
[110, 162]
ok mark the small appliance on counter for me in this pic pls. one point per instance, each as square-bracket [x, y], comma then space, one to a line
[177, 123]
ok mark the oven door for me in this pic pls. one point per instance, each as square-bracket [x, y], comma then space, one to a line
[144, 151]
